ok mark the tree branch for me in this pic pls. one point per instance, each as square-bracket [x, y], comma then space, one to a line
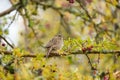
[6, 52]
[14, 7]
[64, 54]
[89, 61]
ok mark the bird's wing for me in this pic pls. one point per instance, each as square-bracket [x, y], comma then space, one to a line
[51, 42]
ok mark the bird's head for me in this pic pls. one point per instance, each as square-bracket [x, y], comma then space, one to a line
[59, 35]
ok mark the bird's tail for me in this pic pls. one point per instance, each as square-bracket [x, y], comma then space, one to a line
[48, 53]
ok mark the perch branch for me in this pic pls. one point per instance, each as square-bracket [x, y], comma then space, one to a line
[64, 54]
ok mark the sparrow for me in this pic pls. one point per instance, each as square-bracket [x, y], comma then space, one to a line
[56, 43]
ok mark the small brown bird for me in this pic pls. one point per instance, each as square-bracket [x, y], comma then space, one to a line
[56, 43]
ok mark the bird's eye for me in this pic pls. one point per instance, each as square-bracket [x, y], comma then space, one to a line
[59, 35]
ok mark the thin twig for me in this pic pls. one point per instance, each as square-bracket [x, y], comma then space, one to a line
[12, 20]
[6, 41]
[31, 27]
[92, 68]
[87, 13]
[89, 16]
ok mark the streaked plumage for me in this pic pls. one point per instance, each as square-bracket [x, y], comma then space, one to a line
[54, 44]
